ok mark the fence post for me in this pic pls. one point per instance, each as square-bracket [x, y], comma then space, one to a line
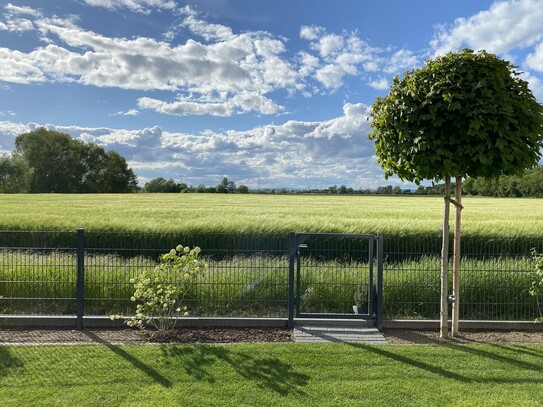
[379, 311]
[80, 285]
[291, 258]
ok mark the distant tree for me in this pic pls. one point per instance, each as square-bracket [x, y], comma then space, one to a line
[55, 162]
[226, 186]
[528, 184]
[183, 187]
[243, 189]
[14, 175]
[200, 189]
[332, 189]
[162, 185]
[462, 114]
[108, 172]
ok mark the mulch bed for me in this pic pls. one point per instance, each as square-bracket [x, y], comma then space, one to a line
[181, 335]
[410, 336]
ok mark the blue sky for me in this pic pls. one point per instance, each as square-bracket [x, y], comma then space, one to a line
[268, 93]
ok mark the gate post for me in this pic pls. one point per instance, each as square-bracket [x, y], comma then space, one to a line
[379, 311]
[291, 259]
[80, 285]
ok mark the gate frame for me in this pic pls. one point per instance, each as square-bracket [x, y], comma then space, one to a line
[376, 257]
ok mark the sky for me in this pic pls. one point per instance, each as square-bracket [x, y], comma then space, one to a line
[271, 94]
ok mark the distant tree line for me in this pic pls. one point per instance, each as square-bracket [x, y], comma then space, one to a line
[529, 184]
[47, 161]
[162, 185]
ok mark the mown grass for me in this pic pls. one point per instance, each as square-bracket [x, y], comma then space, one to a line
[271, 374]
[270, 214]
[493, 289]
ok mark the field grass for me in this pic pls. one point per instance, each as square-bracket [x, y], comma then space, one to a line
[271, 214]
[271, 375]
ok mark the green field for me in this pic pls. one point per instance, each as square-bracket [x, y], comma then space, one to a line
[271, 375]
[273, 214]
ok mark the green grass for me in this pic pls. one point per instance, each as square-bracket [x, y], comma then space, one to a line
[271, 214]
[271, 375]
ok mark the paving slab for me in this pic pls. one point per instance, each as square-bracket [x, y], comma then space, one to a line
[342, 332]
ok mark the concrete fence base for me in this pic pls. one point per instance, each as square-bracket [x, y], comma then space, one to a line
[97, 322]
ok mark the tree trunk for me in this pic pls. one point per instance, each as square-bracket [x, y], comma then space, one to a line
[444, 308]
[456, 263]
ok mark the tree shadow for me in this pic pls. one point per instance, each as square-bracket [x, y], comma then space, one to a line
[148, 370]
[413, 362]
[8, 361]
[526, 350]
[266, 372]
[498, 356]
[527, 367]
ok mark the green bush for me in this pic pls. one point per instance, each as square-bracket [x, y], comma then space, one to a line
[160, 292]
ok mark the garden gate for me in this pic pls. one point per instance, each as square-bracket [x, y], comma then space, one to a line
[334, 275]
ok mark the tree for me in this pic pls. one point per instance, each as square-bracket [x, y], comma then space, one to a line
[106, 172]
[162, 185]
[463, 114]
[226, 186]
[14, 175]
[55, 162]
[243, 189]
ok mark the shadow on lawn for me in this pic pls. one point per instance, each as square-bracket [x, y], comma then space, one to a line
[148, 370]
[267, 373]
[8, 361]
[533, 372]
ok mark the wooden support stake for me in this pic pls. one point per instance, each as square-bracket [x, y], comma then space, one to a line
[456, 260]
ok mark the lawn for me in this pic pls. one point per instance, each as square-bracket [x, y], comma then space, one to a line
[271, 374]
[396, 215]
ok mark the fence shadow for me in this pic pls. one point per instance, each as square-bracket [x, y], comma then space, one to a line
[266, 372]
[148, 370]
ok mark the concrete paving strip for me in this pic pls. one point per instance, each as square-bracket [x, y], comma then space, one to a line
[331, 334]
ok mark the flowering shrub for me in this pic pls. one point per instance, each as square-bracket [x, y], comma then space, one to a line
[159, 292]
[536, 288]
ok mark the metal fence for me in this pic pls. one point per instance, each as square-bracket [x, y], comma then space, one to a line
[248, 274]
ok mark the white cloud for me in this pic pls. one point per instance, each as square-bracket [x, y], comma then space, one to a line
[329, 44]
[7, 113]
[233, 74]
[131, 112]
[535, 84]
[340, 56]
[380, 84]
[242, 102]
[138, 6]
[311, 33]
[334, 151]
[504, 26]
[402, 60]
[535, 59]
[13, 21]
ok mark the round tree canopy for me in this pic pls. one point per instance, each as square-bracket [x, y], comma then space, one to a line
[463, 114]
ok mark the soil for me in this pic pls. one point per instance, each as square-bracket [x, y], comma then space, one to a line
[246, 335]
[181, 335]
[409, 336]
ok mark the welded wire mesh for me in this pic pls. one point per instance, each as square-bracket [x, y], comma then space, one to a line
[247, 274]
[495, 275]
